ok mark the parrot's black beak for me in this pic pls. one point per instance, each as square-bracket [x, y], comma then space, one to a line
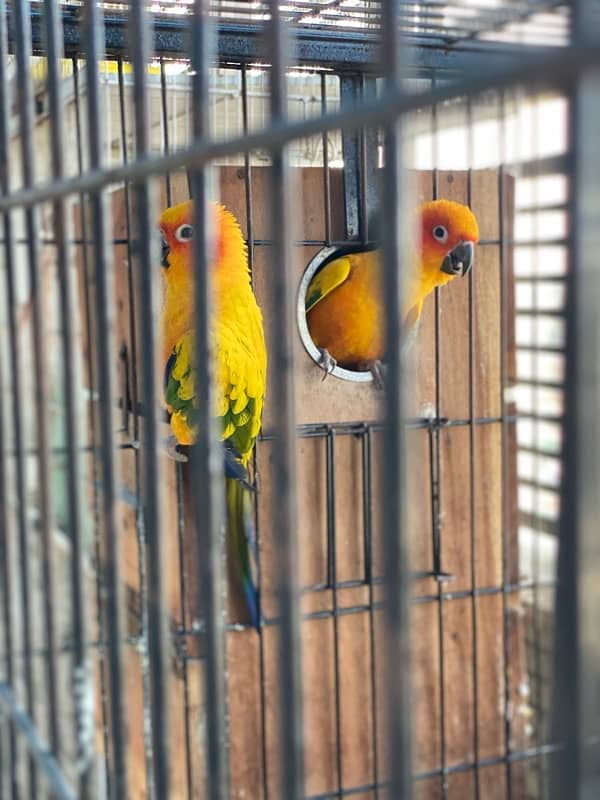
[165, 250]
[459, 260]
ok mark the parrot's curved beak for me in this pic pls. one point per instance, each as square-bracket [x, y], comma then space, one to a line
[165, 250]
[459, 260]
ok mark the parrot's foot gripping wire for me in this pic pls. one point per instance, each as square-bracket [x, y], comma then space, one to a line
[326, 362]
[170, 449]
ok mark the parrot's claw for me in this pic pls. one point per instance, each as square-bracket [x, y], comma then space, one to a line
[378, 371]
[326, 362]
[170, 449]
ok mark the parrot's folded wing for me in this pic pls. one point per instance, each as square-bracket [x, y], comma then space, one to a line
[332, 275]
[180, 389]
[240, 391]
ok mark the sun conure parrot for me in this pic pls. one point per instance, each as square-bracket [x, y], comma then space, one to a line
[345, 303]
[240, 365]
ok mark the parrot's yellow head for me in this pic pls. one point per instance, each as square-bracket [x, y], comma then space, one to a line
[449, 233]
[177, 231]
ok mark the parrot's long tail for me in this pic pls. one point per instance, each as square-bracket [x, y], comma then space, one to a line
[241, 532]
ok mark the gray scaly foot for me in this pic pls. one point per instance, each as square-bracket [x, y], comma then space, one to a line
[170, 449]
[326, 362]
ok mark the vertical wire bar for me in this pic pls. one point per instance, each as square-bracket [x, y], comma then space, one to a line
[165, 127]
[15, 406]
[130, 277]
[284, 512]
[157, 568]
[207, 461]
[576, 699]
[182, 650]
[362, 171]
[326, 175]
[6, 560]
[22, 30]
[93, 35]
[535, 574]
[438, 573]
[331, 554]
[261, 632]
[436, 467]
[83, 720]
[369, 161]
[87, 278]
[396, 553]
[331, 526]
[369, 555]
[247, 171]
[505, 449]
[9, 756]
[181, 643]
[348, 92]
[132, 382]
[472, 465]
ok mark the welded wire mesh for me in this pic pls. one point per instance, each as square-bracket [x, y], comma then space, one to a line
[127, 668]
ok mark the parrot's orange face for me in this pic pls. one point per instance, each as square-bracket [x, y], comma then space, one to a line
[177, 233]
[449, 233]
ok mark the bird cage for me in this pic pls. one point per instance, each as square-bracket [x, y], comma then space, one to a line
[426, 546]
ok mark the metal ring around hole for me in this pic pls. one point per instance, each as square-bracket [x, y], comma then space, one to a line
[313, 351]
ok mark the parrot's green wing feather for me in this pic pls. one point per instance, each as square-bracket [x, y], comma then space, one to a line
[326, 280]
[180, 379]
[240, 387]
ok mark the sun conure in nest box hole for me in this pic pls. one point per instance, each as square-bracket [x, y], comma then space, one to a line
[240, 364]
[345, 304]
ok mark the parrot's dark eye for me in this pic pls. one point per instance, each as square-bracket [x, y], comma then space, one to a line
[184, 233]
[440, 233]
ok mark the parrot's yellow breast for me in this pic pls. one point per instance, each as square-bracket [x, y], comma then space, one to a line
[347, 321]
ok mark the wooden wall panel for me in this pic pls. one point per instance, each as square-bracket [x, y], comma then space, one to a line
[467, 526]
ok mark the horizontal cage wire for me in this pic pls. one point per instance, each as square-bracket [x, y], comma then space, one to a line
[417, 521]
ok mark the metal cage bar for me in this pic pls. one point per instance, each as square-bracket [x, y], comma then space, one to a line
[284, 512]
[21, 23]
[394, 529]
[575, 697]
[71, 381]
[104, 330]
[152, 472]
[207, 458]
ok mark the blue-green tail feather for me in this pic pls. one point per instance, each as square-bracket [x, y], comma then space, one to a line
[241, 530]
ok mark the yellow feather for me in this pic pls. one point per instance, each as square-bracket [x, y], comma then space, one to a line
[236, 329]
[326, 280]
[240, 403]
[228, 430]
[222, 405]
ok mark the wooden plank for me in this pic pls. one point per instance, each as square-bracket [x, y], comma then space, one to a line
[425, 643]
[493, 784]
[461, 786]
[455, 494]
[457, 644]
[355, 700]
[245, 698]
[490, 677]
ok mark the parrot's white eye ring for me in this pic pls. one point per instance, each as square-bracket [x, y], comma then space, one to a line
[440, 234]
[184, 233]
